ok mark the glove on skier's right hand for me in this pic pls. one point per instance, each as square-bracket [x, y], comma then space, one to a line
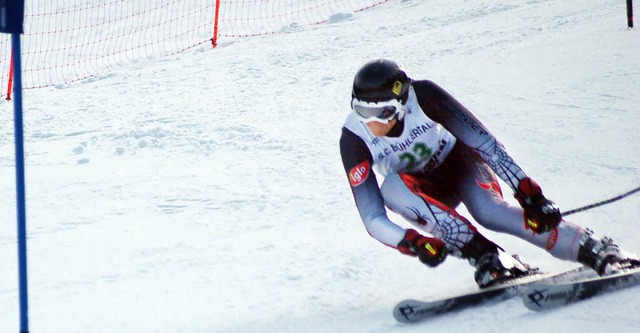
[430, 251]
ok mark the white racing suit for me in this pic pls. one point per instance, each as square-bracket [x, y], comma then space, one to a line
[438, 156]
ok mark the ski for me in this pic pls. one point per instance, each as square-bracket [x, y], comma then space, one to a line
[410, 310]
[543, 295]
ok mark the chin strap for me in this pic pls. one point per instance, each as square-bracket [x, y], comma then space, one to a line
[400, 114]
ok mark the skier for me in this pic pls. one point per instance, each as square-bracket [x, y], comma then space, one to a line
[434, 154]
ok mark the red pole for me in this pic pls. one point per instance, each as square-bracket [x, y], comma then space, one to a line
[214, 40]
[10, 84]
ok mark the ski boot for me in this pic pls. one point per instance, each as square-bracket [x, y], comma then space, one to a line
[494, 268]
[604, 256]
[492, 265]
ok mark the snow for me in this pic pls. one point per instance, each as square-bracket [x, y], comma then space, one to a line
[205, 192]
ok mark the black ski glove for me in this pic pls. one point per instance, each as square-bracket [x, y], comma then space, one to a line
[540, 214]
[430, 251]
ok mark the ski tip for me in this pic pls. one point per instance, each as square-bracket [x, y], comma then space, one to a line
[537, 298]
[408, 311]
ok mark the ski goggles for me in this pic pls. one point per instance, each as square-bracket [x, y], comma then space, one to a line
[381, 112]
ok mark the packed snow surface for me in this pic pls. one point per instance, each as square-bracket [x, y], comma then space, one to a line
[204, 192]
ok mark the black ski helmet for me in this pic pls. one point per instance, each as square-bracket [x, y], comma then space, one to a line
[381, 80]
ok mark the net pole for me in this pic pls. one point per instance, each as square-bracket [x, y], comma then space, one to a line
[630, 13]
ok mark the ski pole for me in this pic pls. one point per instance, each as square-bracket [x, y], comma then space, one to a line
[604, 202]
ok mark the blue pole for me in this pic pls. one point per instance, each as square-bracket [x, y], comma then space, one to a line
[20, 184]
[12, 22]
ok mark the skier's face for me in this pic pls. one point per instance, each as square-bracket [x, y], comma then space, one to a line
[381, 129]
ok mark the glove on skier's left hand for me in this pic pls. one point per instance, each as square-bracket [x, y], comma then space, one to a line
[540, 214]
